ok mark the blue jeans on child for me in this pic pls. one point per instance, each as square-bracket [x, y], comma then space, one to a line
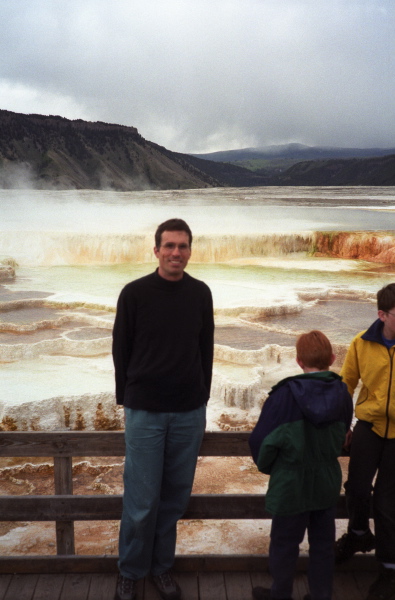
[287, 533]
[160, 461]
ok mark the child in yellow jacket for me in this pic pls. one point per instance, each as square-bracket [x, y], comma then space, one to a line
[371, 359]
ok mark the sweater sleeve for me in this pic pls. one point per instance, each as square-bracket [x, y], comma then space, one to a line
[122, 344]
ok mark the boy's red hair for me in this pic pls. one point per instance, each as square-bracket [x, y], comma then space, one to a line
[314, 350]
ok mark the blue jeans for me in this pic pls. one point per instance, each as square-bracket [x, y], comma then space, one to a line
[160, 462]
[286, 535]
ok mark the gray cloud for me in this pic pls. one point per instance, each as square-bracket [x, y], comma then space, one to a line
[202, 75]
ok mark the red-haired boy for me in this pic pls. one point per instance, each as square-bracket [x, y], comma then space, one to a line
[297, 441]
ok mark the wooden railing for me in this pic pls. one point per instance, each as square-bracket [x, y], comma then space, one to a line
[64, 508]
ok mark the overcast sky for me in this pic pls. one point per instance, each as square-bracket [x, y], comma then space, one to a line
[206, 75]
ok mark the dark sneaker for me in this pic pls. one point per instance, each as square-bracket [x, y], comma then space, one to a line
[126, 589]
[383, 588]
[350, 543]
[166, 586]
[261, 593]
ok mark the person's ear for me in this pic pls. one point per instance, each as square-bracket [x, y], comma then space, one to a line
[300, 362]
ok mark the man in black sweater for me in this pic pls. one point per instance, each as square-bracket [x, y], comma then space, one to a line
[163, 354]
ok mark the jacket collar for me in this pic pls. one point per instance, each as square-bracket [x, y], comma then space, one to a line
[374, 333]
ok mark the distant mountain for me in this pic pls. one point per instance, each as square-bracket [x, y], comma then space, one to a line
[51, 152]
[379, 170]
[297, 164]
[293, 151]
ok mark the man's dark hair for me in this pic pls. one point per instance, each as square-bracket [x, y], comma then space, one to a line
[386, 297]
[172, 225]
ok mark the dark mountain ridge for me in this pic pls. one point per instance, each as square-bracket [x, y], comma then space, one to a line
[57, 153]
[294, 151]
[52, 152]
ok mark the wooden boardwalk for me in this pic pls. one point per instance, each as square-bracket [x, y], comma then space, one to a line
[350, 585]
[68, 576]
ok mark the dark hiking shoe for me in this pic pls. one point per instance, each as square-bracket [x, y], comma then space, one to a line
[261, 593]
[350, 543]
[126, 589]
[166, 586]
[383, 588]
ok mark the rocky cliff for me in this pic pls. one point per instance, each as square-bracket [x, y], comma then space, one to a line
[51, 152]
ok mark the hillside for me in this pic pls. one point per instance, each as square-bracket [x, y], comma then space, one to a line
[317, 165]
[51, 152]
[54, 152]
[293, 152]
[340, 172]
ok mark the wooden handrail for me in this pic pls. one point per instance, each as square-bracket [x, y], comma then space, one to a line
[105, 443]
[64, 508]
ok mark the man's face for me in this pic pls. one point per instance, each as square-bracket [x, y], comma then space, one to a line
[173, 254]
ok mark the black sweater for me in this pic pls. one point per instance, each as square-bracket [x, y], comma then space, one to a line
[163, 344]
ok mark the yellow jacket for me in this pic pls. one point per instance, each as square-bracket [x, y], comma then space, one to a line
[371, 361]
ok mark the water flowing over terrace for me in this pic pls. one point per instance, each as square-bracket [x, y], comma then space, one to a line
[278, 262]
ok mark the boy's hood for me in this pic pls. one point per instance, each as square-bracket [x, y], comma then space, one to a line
[320, 396]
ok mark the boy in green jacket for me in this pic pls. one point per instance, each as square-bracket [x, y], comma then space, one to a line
[297, 441]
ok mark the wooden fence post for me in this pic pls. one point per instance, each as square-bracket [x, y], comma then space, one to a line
[63, 475]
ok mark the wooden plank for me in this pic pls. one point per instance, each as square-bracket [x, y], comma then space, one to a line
[70, 443]
[76, 586]
[109, 507]
[212, 586]
[102, 586]
[58, 564]
[189, 584]
[255, 563]
[261, 579]
[63, 476]
[100, 507]
[345, 586]
[238, 585]
[364, 579]
[60, 508]
[5, 581]
[21, 587]
[106, 443]
[65, 537]
[49, 587]
[150, 592]
[226, 506]
[219, 562]
[301, 586]
[221, 443]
